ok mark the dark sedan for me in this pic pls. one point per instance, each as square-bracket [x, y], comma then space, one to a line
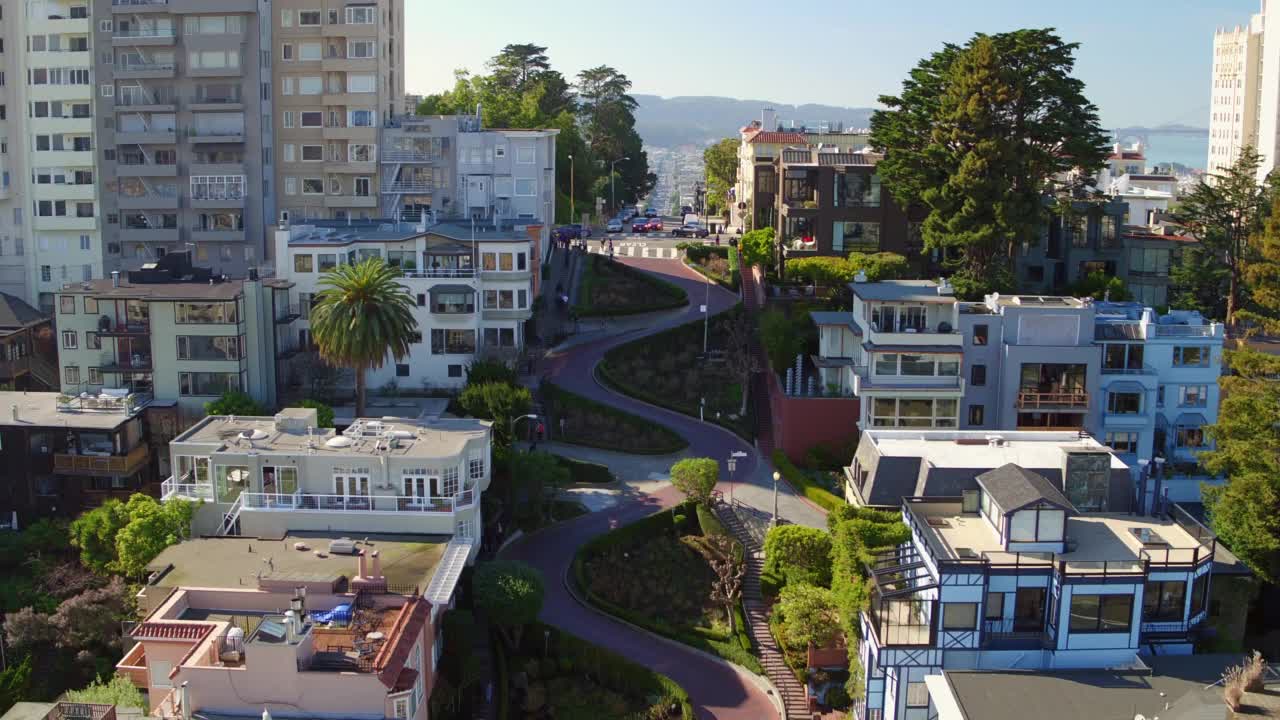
[690, 230]
[640, 225]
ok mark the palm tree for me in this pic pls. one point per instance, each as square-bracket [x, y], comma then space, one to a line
[362, 314]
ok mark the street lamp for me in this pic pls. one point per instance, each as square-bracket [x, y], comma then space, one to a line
[733, 465]
[511, 456]
[572, 210]
[776, 477]
[613, 200]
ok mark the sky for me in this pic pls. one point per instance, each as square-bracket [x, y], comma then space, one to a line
[1144, 62]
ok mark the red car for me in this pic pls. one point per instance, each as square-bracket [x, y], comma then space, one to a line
[640, 225]
[654, 225]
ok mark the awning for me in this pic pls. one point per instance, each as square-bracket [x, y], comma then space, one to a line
[451, 289]
[445, 579]
[1126, 386]
[1190, 420]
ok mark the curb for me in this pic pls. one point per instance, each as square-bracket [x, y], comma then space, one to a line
[760, 681]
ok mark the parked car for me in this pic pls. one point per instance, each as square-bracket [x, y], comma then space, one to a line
[690, 230]
[640, 225]
[654, 225]
[686, 209]
[613, 226]
[565, 233]
[582, 232]
[650, 213]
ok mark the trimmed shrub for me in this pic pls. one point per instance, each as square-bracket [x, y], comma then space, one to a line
[592, 424]
[771, 584]
[609, 288]
[801, 554]
[583, 471]
[803, 484]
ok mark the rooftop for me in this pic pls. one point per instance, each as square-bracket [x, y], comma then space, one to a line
[42, 409]
[1168, 690]
[902, 291]
[1013, 487]
[16, 314]
[1091, 538]
[289, 433]
[239, 562]
[340, 234]
[160, 292]
[1050, 301]
[974, 449]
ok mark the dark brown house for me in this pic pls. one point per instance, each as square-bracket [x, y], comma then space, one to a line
[28, 354]
[831, 203]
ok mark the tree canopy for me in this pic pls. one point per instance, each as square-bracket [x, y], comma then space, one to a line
[810, 614]
[594, 114]
[799, 553]
[756, 247]
[234, 402]
[978, 135]
[721, 166]
[696, 478]
[510, 593]
[124, 537]
[499, 402]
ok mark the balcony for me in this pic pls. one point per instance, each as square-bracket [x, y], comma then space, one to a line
[143, 37]
[917, 336]
[1189, 331]
[344, 64]
[217, 235]
[350, 30]
[67, 464]
[409, 156]
[63, 158]
[143, 71]
[255, 501]
[104, 403]
[138, 362]
[80, 125]
[1015, 634]
[286, 314]
[133, 667]
[154, 200]
[205, 135]
[1036, 400]
[65, 222]
[408, 186]
[351, 201]
[134, 6]
[148, 136]
[343, 132]
[132, 99]
[350, 167]
[67, 191]
[152, 234]
[227, 201]
[906, 385]
[214, 104]
[109, 328]
[438, 273]
[1144, 370]
[146, 170]
[185, 488]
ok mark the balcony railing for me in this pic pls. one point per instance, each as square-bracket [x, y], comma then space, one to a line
[119, 3]
[440, 273]
[144, 32]
[1034, 400]
[356, 503]
[148, 67]
[183, 488]
[410, 156]
[1144, 370]
[408, 186]
[102, 464]
[1187, 330]
[103, 403]
[1011, 631]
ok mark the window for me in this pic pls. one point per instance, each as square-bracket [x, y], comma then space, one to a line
[499, 337]
[362, 83]
[994, 609]
[71, 374]
[978, 375]
[361, 49]
[1117, 357]
[361, 118]
[525, 155]
[402, 370]
[1038, 524]
[312, 119]
[1159, 396]
[312, 186]
[979, 334]
[1122, 442]
[1124, 403]
[914, 412]
[1191, 356]
[453, 342]
[312, 153]
[217, 187]
[475, 468]
[302, 263]
[213, 59]
[326, 261]
[859, 236]
[959, 616]
[70, 340]
[1190, 437]
[209, 347]
[1101, 613]
[286, 51]
[917, 695]
[1163, 601]
[207, 383]
[90, 306]
[206, 313]
[308, 18]
[310, 85]
[361, 15]
[453, 302]
[67, 304]
[359, 152]
[976, 414]
[1193, 395]
[95, 376]
[308, 51]
[286, 18]
[1199, 595]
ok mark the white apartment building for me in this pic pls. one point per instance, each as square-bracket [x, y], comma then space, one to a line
[1234, 106]
[50, 230]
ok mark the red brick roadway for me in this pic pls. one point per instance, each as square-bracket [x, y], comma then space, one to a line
[716, 690]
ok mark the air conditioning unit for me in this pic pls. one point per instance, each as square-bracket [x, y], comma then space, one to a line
[342, 546]
[284, 219]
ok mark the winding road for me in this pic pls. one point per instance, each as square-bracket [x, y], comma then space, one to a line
[718, 691]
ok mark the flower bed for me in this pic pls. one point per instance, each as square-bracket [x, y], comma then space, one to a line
[717, 263]
[592, 424]
[608, 287]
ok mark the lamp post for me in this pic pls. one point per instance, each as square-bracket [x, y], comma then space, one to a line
[572, 210]
[776, 477]
[613, 199]
[733, 465]
[511, 455]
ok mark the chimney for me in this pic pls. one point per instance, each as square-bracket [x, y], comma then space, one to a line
[184, 697]
[115, 278]
[291, 626]
[361, 565]
[377, 565]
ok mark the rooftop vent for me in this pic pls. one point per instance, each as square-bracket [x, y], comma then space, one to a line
[342, 546]
[938, 522]
[338, 442]
[966, 553]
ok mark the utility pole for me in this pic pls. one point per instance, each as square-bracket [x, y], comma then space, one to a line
[706, 317]
[572, 210]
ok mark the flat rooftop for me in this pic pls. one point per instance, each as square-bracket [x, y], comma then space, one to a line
[40, 409]
[971, 449]
[925, 291]
[1097, 537]
[164, 291]
[1039, 301]
[429, 438]
[238, 562]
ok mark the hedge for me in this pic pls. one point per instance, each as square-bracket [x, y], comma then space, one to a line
[735, 647]
[697, 252]
[557, 397]
[583, 471]
[675, 296]
[612, 669]
[803, 484]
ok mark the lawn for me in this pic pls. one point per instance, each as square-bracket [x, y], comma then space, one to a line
[629, 573]
[592, 424]
[668, 370]
[608, 287]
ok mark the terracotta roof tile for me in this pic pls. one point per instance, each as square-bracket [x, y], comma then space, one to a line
[780, 138]
[394, 654]
[171, 631]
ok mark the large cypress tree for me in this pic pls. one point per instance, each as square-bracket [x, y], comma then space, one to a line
[978, 135]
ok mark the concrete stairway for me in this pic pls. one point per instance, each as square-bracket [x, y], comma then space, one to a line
[760, 381]
[792, 692]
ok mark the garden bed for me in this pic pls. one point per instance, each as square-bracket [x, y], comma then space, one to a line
[583, 471]
[558, 675]
[667, 370]
[592, 424]
[608, 288]
[717, 263]
[628, 573]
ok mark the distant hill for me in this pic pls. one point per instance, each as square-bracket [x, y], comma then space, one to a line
[670, 122]
[1167, 128]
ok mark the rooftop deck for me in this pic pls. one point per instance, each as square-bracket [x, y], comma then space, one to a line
[366, 437]
[975, 449]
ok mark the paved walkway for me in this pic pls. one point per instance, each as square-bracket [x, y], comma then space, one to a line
[718, 691]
